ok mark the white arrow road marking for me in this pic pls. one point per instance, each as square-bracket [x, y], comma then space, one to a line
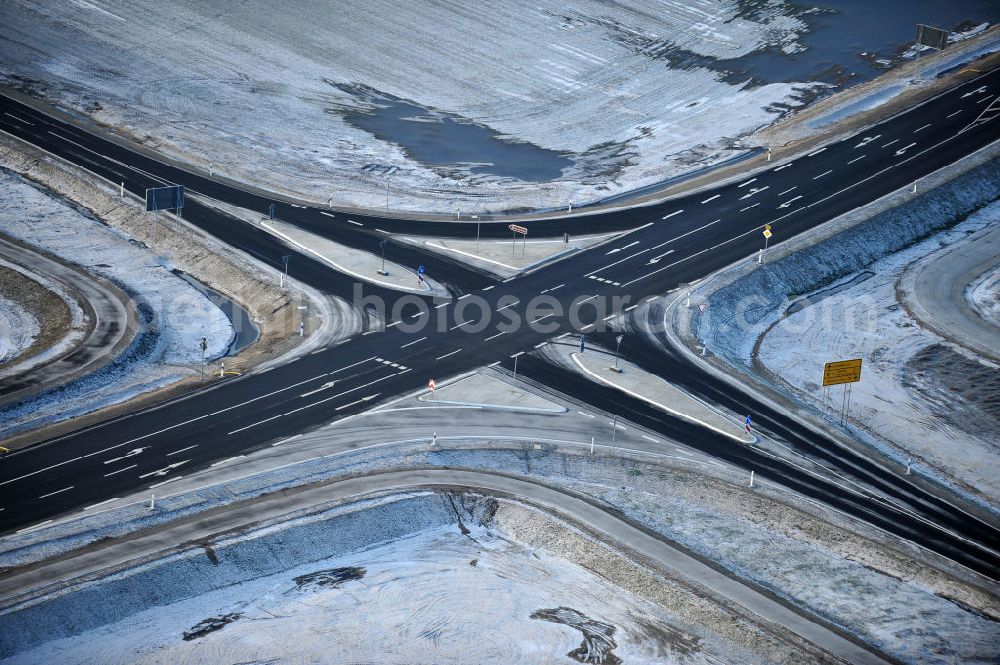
[789, 202]
[363, 399]
[754, 190]
[903, 150]
[131, 453]
[975, 92]
[866, 140]
[656, 259]
[325, 386]
[165, 470]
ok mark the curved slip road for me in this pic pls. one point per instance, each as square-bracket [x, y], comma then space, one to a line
[113, 325]
[933, 291]
[118, 553]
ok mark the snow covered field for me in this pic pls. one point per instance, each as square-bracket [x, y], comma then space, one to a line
[415, 579]
[888, 596]
[175, 316]
[430, 105]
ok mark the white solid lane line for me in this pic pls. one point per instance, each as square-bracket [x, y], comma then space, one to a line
[65, 489]
[291, 438]
[99, 504]
[788, 190]
[813, 154]
[228, 459]
[748, 207]
[856, 159]
[744, 184]
[28, 475]
[672, 214]
[181, 450]
[711, 198]
[120, 470]
[416, 341]
[784, 166]
[363, 399]
[448, 354]
[19, 119]
[823, 174]
[259, 422]
[980, 101]
[918, 129]
[953, 114]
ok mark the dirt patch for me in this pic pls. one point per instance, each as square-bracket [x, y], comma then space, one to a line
[328, 579]
[210, 625]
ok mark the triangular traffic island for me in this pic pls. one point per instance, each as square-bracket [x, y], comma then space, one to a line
[489, 392]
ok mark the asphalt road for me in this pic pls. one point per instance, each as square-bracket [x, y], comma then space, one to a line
[676, 242]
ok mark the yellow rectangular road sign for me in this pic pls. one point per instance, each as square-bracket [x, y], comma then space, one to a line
[842, 371]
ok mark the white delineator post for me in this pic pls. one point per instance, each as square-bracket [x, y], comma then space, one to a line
[751, 479]
[152, 502]
[121, 192]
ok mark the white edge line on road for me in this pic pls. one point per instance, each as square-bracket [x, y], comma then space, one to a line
[291, 438]
[155, 485]
[228, 459]
[65, 489]
[97, 505]
[783, 166]
[683, 416]
[120, 470]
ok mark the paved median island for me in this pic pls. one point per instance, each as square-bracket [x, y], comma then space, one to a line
[651, 389]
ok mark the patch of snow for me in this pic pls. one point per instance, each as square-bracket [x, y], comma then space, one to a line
[984, 296]
[173, 314]
[18, 330]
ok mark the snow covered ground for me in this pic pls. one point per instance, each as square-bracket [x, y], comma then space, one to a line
[174, 315]
[984, 296]
[931, 400]
[416, 579]
[888, 596]
[923, 396]
[18, 330]
[430, 106]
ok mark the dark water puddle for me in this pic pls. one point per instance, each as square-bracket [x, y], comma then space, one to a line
[210, 625]
[329, 579]
[246, 332]
[598, 637]
[439, 139]
[840, 32]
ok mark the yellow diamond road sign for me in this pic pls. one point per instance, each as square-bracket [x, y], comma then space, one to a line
[767, 231]
[842, 371]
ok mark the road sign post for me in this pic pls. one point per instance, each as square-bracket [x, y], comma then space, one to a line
[845, 372]
[383, 271]
[518, 229]
[767, 237]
